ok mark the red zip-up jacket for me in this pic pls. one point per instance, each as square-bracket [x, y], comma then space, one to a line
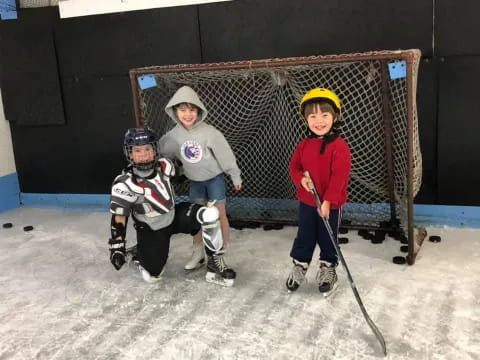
[329, 171]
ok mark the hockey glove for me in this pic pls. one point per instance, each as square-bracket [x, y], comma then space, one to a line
[178, 180]
[117, 252]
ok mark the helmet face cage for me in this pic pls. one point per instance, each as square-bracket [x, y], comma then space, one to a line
[139, 137]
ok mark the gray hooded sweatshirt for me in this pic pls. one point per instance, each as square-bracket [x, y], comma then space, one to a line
[203, 150]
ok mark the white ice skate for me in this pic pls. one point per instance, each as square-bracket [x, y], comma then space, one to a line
[198, 258]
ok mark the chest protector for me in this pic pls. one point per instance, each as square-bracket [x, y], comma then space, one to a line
[154, 195]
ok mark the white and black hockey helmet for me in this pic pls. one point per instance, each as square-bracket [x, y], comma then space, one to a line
[137, 137]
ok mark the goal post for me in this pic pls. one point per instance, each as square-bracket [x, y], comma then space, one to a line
[255, 105]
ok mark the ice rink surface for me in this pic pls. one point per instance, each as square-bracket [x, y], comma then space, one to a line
[60, 298]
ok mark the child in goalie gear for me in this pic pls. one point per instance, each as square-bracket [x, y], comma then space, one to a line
[326, 157]
[205, 155]
[144, 191]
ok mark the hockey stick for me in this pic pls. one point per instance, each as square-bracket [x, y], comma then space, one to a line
[370, 323]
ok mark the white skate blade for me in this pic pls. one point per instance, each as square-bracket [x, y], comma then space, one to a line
[214, 278]
[328, 293]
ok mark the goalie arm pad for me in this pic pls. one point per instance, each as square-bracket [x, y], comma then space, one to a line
[208, 217]
[118, 227]
[122, 199]
[116, 244]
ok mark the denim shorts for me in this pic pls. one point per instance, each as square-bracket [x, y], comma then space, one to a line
[203, 191]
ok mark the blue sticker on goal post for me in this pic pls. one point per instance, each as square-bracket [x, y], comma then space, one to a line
[147, 81]
[398, 70]
[8, 10]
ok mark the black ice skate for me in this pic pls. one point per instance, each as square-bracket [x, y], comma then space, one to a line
[297, 275]
[218, 272]
[327, 278]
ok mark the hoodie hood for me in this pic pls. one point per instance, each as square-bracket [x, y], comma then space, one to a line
[185, 95]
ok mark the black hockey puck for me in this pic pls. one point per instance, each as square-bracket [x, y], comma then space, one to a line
[268, 227]
[435, 238]
[385, 224]
[365, 234]
[399, 260]
[404, 248]
[380, 235]
[343, 240]
[343, 230]
[403, 240]
[28, 228]
[7, 225]
[393, 234]
[266, 214]
[401, 237]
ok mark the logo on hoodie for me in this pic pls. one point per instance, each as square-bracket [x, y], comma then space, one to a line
[191, 151]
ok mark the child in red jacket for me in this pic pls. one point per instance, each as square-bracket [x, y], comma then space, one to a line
[326, 158]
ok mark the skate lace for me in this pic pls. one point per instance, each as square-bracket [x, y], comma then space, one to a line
[297, 275]
[219, 262]
[325, 274]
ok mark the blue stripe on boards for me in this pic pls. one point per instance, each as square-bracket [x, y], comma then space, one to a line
[9, 192]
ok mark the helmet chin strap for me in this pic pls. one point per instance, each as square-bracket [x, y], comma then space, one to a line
[145, 166]
[144, 169]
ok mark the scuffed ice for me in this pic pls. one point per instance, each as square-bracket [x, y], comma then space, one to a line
[60, 298]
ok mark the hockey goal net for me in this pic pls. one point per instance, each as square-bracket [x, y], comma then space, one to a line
[255, 105]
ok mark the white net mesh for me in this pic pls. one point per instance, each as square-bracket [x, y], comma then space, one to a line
[255, 105]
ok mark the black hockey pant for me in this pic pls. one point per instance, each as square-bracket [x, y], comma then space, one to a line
[153, 246]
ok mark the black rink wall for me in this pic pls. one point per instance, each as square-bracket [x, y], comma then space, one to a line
[67, 94]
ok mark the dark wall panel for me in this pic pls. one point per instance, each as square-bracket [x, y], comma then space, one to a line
[255, 29]
[29, 72]
[427, 123]
[94, 56]
[84, 156]
[457, 27]
[459, 129]
[116, 43]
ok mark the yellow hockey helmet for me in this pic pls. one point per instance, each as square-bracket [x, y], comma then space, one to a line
[321, 93]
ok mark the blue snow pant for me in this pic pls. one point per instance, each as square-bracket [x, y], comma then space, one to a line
[312, 231]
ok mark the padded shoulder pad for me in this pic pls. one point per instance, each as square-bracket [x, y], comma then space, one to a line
[122, 191]
[167, 166]
[121, 178]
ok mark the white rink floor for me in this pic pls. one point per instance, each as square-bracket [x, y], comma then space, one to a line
[60, 298]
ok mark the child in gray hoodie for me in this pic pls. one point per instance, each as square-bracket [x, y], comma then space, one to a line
[205, 155]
